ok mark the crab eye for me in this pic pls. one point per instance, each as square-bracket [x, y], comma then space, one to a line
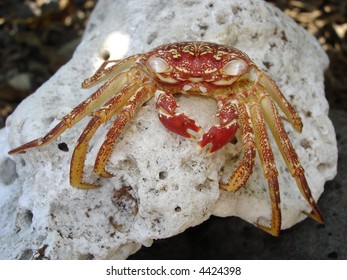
[235, 67]
[157, 64]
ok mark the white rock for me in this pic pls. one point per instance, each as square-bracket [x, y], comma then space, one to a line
[170, 187]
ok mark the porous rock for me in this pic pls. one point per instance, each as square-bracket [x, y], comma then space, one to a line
[161, 185]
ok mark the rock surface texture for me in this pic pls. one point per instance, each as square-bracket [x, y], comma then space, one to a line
[161, 186]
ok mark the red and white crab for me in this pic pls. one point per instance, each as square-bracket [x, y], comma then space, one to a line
[247, 99]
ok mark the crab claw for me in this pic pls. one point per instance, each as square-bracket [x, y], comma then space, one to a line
[221, 134]
[181, 125]
[218, 136]
[178, 123]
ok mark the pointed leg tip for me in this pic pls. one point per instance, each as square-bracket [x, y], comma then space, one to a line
[317, 216]
[85, 186]
[270, 230]
[76, 182]
[106, 175]
[224, 186]
[17, 151]
[298, 125]
[103, 172]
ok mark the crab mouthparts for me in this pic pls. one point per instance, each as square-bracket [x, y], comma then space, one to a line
[196, 79]
[195, 87]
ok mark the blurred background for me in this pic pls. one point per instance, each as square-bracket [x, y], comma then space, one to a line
[39, 36]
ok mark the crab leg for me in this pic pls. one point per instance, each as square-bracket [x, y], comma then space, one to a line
[268, 163]
[245, 168]
[281, 101]
[289, 154]
[99, 117]
[176, 122]
[220, 134]
[104, 73]
[124, 116]
[105, 92]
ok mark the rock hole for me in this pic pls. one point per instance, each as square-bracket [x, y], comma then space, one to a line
[203, 26]
[124, 200]
[63, 147]
[49, 120]
[105, 54]
[272, 46]
[26, 254]
[128, 164]
[221, 18]
[268, 64]
[322, 167]
[233, 141]
[163, 175]
[236, 9]
[86, 257]
[156, 221]
[200, 187]
[24, 220]
[305, 144]
[152, 37]
[8, 172]
[308, 114]
[284, 36]
[178, 209]
[254, 36]
[28, 217]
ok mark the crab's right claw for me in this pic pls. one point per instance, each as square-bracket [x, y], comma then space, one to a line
[221, 134]
[218, 136]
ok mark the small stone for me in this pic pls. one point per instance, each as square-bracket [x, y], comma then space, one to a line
[21, 82]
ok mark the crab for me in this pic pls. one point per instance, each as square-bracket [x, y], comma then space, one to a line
[247, 98]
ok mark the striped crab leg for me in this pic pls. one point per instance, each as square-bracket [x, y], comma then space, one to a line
[142, 95]
[269, 167]
[100, 116]
[105, 92]
[245, 167]
[289, 154]
[275, 93]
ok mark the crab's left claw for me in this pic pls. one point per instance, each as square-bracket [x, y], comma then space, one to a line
[221, 134]
[176, 122]
[218, 136]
